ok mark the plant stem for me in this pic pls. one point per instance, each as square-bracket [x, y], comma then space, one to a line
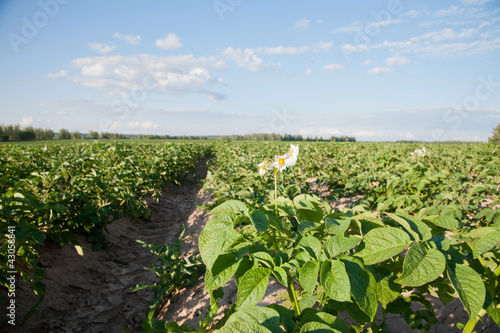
[276, 192]
[293, 298]
[469, 328]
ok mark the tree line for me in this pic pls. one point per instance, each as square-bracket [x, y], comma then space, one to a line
[289, 137]
[16, 133]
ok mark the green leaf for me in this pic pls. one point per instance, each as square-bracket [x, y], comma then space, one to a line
[262, 256]
[335, 280]
[337, 223]
[416, 228]
[308, 275]
[317, 327]
[485, 243]
[446, 222]
[38, 236]
[338, 244]
[312, 245]
[327, 319]
[286, 316]
[306, 226]
[421, 266]
[213, 237]
[387, 290]
[382, 244]
[363, 285]
[308, 208]
[259, 220]
[469, 286]
[280, 275]
[244, 327]
[222, 271]
[234, 206]
[256, 314]
[253, 286]
[480, 232]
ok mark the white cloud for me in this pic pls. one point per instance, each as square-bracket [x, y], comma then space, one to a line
[365, 26]
[135, 124]
[308, 71]
[126, 76]
[356, 48]
[434, 44]
[245, 58]
[388, 22]
[447, 34]
[333, 67]
[366, 133]
[301, 24]
[397, 60]
[368, 62]
[319, 131]
[58, 75]
[26, 121]
[322, 46]
[131, 39]
[452, 10]
[380, 70]
[96, 69]
[353, 27]
[412, 13]
[101, 48]
[170, 42]
[281, 50]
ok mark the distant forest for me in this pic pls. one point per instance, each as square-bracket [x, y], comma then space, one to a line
[18, 133]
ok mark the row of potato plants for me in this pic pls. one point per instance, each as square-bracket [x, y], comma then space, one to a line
[421, 228]
[57, 191]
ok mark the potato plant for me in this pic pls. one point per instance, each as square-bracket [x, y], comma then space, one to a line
[429, 234]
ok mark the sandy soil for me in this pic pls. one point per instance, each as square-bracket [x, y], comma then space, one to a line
[89, 293]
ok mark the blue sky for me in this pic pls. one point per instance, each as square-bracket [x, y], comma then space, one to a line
[376, 70]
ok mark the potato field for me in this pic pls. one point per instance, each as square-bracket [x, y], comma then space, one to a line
[420, 222]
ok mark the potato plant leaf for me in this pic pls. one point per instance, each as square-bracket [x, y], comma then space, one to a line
[335, 281]
[308, 275]
[469, 286]
[382, 244]
[338, 244]
[485, 243]
[234, 206]
[253, 286]
[363, 285]
[256, 314]
[421, 266]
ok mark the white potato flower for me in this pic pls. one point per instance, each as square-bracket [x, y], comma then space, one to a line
[264, 166]
[419, 152]
[294, 153]
[282, 161]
